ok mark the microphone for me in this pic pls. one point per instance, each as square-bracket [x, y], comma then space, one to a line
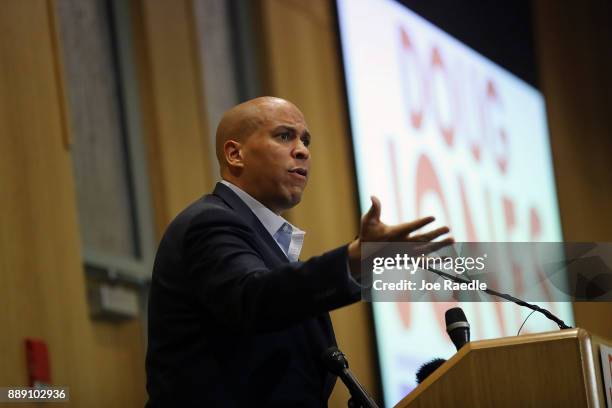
[336, 363]
[457, 327]
[506, 296]
[428, 368]
[458, 330]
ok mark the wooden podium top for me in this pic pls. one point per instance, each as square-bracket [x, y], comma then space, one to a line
[557, 368]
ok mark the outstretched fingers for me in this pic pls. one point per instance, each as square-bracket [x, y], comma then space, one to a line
[401, 231]
[430, 247]
[429, 236]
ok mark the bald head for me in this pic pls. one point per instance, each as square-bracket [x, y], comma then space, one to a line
[262, 148]
[243, 120]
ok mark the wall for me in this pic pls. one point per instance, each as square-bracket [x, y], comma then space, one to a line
[174, 119]
[575, 61]
[42, 288]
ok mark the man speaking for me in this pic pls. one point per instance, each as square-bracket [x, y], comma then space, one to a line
[234, 318]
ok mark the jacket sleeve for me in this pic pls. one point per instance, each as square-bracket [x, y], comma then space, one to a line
[233, 283]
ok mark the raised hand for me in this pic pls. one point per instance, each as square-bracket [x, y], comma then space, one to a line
[374, 230]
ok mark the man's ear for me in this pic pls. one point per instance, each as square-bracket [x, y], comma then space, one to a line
[233, 154]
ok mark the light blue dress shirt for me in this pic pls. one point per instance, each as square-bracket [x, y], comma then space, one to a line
[288, 237]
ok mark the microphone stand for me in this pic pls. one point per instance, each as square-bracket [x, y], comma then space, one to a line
[337, 364]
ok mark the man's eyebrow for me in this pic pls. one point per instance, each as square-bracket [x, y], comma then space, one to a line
[281, 127]
[305, 133]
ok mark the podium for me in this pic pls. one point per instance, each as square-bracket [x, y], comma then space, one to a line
[553, 369]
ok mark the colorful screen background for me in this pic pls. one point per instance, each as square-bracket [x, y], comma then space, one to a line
[440, 130]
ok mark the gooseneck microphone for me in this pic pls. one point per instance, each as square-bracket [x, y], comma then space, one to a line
[457, 327]
[336, 363]
[506, 296]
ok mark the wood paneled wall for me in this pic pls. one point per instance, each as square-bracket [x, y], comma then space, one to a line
[42, 286]
[174, 119]
[575, 62]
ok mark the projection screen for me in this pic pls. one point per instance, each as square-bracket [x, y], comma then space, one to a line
[440, 130]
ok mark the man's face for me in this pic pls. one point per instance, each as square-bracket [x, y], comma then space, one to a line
[276, 157]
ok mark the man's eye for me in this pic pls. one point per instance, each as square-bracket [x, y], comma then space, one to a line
[306, 141]
[285, 136]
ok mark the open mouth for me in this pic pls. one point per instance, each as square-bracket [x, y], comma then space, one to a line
[298, 170]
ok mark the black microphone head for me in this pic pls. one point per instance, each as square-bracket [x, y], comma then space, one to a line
[334, 360]
[457, 326]
[428, 368]
[454, 315]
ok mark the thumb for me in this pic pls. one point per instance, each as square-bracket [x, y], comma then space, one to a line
[373, 213]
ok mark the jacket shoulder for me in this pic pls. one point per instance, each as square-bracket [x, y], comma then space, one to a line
[206, 213]
[209, 209]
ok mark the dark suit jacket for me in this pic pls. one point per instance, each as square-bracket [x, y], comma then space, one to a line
[231, 321]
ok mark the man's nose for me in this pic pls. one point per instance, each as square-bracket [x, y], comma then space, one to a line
[300, 151]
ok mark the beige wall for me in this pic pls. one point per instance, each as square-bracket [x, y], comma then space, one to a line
[42, 288]
[174, 120]
[575, 61]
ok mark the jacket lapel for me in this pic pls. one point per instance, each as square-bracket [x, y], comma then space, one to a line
[243, 210]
